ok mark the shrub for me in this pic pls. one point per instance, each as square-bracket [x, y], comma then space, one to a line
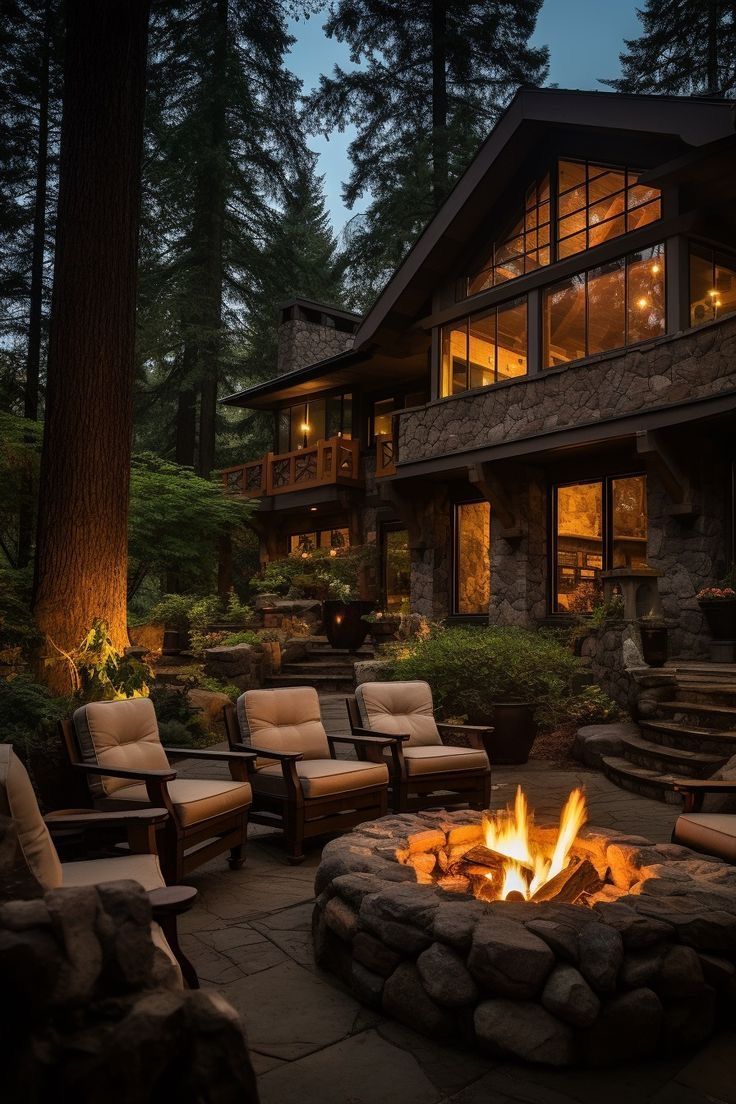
[29, 713]
[179, 723]
[324, 572]
[246, 637]
[172, 611]
[469, 669]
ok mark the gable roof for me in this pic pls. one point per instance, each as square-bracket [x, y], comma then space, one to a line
[682, 122]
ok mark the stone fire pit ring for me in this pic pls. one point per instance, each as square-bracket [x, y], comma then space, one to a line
[647, 966]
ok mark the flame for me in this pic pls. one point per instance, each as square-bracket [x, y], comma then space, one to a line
[530, 865]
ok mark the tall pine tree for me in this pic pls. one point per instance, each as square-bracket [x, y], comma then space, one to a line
[222, 135]
[431, 79]
[685, 48]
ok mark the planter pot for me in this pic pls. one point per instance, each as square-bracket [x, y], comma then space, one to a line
[514, 732]
[384, 631]
[720, 617]
[344, 624]
[654, 644]
[174, 642]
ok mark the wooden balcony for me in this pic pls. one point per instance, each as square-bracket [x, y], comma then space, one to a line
[385, 455]
[334, 461]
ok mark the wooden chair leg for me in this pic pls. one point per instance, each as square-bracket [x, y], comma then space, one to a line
[294, 831]
[237, 858]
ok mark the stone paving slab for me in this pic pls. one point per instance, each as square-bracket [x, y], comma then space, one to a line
[249, 937]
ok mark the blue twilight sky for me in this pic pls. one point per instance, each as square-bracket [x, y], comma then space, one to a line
[585, 38]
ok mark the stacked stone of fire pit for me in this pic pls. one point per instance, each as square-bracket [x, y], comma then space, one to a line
[644, 962]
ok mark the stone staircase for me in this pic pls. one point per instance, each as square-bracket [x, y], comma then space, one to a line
[327, 669]
[688, 732]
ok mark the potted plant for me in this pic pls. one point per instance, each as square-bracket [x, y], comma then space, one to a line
[514, 732]
[653, 633]
[718, 605]
[384, 625]
[173, 613]
[345, 625]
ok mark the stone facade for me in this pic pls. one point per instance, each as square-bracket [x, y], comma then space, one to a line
[302, 343]
[698, 364]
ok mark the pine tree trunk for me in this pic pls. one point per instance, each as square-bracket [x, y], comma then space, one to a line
[81, 551]
[186, 426]
[211, 217]
[35, 314]
[440, 168]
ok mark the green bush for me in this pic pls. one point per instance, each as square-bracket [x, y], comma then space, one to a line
[331, 572]
[29, 713]
[246, 637]
[177, 719]
[469, 669]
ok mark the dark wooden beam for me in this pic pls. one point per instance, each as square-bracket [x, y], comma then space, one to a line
[651, 445]
[489, 482]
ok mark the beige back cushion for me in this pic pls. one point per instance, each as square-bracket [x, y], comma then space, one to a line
[287, 719]
[398, 707]
[119, 734]
[18, 801]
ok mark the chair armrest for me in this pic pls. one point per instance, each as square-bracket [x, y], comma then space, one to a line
[266, 753]
[120, 772]
[473, 733]
[204, 753]
[466, 727]
[400, 737]
[93, 818]
[171, 900]
[383, 741]
[695, 789]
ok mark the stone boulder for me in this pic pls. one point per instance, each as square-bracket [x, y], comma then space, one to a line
[508, 959]
[521, 1029]
[240, 664]
[210, 704]
[370, 670]
[592, 742]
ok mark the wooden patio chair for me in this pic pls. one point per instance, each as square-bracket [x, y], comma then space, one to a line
[709, 833]
[117, 746]
[425, 772]
[298, 783]
[39, 856]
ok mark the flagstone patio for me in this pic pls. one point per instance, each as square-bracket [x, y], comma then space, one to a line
[249, 938]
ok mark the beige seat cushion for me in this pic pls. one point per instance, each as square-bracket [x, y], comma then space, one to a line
[119, 734]
[285, 719]
[399, 707]
[428, 760]
[712, 833]
[323, 777]
[194, 799]
[143, 869]
[18, 801]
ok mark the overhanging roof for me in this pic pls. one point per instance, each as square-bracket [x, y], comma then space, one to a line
[682, 121]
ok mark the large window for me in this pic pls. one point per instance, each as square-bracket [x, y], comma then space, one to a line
[306, 423]
[472, 558]
[596, 203]
[484, 348]
[712, 287]
[334, 539]
[598, 525]
[604, 308]
[523, 248]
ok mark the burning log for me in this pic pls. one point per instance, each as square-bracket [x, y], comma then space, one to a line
[578, 877]
[483, 860]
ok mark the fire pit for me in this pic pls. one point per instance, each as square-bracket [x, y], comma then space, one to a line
[555, 944]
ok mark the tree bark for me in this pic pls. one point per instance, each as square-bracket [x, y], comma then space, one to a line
[440, 167]
[211, 218]
[81, 550]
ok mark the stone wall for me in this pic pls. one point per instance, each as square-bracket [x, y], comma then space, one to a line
[672, 369]
[613, 654]
[519, 566]
[302, 343]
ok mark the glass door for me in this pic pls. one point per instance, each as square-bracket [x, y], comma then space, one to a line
[396, 568]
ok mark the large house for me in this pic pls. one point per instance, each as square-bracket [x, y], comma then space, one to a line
[544, 390]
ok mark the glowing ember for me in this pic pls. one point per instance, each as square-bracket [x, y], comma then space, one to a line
[531, 864]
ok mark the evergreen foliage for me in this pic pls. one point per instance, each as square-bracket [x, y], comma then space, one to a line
[429, 82]
[685, 48]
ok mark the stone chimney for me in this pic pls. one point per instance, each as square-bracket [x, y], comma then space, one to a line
[309, 332]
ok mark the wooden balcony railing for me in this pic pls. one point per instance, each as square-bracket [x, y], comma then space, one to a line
[385, 458]
[336, 460]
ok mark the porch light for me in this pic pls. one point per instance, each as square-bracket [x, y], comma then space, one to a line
[333, 551]
[305, 427]
[313, 509]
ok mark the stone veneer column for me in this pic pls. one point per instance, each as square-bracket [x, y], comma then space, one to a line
[519, 566]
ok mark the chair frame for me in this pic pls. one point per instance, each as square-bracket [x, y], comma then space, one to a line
[300, 817]
[142, 827]
[408, 793]
[225, 832]
[693, 791]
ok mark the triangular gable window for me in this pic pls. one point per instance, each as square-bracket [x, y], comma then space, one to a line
[523, 248]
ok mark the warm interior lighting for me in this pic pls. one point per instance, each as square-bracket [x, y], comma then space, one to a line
[305, 427]
[333, 551]
[656, 269]
[531, 864]
[642, 302]
[313, 509]
[338, 619]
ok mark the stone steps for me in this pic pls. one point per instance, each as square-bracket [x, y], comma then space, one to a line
[714, 693]
[666, 760]
[695, 712]
[327, 684]
[637, 779]
[339, 667]
[715, 741]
